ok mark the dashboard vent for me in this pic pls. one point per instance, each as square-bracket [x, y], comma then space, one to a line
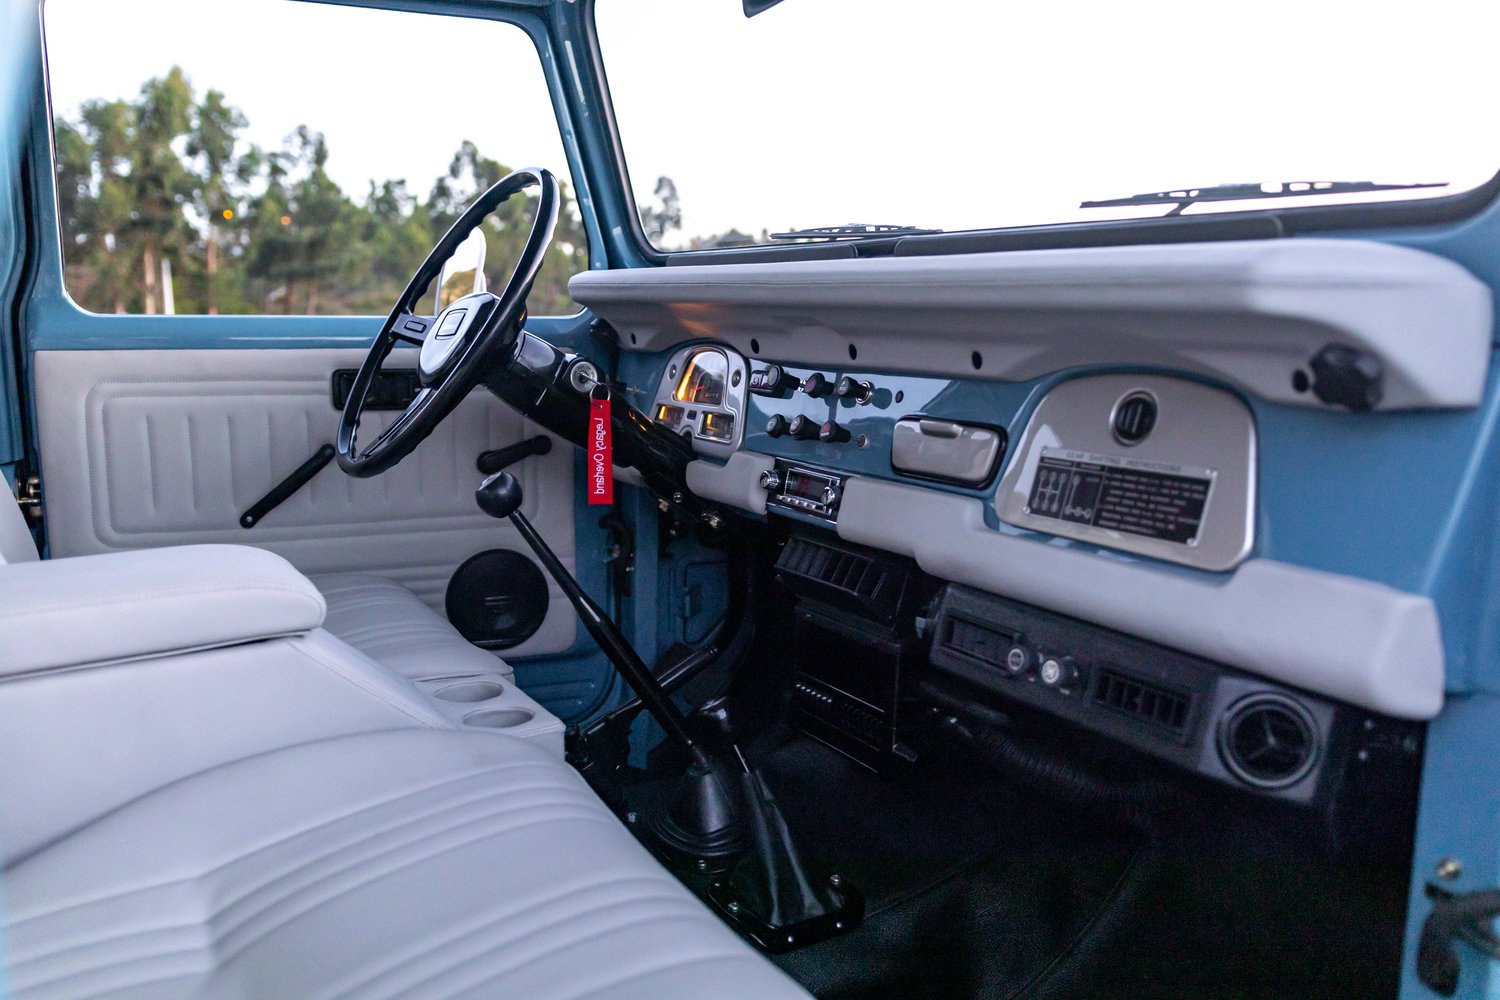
[847, 572]
[1268, 741]
[1157, 705]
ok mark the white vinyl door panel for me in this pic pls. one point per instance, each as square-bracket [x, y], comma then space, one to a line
[151, 448]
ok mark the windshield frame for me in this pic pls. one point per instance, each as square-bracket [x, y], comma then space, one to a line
[1267, 222]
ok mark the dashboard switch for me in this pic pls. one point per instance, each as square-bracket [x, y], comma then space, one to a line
[1058, 672]
[772, 380]
[816, 385]
[1017, 660]
[852, 388]
[802, 428]
[777, 426]
[832, 433]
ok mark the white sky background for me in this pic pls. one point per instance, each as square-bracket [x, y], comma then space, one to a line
[947, 113]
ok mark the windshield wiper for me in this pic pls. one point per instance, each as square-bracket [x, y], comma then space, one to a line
[852, 231]
[1183, 197]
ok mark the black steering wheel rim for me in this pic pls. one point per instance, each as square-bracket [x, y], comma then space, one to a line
[488, 339]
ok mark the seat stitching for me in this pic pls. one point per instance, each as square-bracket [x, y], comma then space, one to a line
[490, 769]
[339, 670]
[622, 922]
[287, 918]
[171, 592]
[220, 935]
[413, 836]
[507, 911]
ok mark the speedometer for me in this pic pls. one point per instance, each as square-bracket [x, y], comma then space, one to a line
[703, 379]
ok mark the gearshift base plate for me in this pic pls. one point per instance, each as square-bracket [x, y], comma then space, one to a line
[847, 913]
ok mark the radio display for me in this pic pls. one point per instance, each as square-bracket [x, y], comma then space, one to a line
[1161, 502]
[804, 486]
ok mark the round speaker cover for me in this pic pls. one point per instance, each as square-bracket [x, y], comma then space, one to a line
[497, 599]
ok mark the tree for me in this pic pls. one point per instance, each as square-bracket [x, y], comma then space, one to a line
[220, 179]
[168, 177]
[659, 219]
[160, 182]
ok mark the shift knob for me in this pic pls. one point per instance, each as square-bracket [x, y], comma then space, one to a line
[499, 495]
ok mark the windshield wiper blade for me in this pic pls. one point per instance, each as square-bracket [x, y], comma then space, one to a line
[1181, 198]
[852, 231]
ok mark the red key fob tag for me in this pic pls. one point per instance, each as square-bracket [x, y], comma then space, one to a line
[601, 466]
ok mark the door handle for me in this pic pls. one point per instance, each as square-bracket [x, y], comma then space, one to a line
[284, 489]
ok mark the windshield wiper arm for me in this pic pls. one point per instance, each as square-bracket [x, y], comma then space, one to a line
[852, 231]
[1183, 197]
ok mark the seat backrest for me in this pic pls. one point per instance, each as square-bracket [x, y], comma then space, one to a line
[16, 543]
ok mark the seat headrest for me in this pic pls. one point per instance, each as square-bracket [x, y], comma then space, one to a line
[16, 543]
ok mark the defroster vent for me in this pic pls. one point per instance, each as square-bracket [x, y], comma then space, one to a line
[848, 572]
[1157, 705]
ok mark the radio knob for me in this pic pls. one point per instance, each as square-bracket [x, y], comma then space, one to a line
[832, 433]
[816, 384]
[1017, 660]
[1058, 671]
[802, 428]
[777, 426]
[852, 388]
[769, 481]
[830, 496]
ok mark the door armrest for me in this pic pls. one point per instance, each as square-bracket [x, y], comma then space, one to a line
[125, 605]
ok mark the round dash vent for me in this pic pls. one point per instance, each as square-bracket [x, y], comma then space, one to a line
[1134, 417]
[1268, 741]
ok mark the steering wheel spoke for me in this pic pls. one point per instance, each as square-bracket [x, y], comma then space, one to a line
[409, 329]
[458, 352]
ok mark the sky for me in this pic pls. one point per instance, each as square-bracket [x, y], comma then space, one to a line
[952, 114]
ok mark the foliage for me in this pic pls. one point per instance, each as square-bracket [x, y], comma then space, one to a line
[168, 177]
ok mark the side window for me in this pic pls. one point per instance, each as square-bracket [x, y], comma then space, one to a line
[268, 156]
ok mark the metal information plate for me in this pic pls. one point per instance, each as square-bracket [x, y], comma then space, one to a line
[1155, 499]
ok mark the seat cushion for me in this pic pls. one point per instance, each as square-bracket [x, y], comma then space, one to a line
[406, 862]
[391, 625]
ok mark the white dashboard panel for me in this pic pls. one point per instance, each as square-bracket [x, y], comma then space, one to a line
[1359, 642]
[1248, 313]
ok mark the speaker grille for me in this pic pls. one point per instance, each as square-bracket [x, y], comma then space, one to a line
[497, 599]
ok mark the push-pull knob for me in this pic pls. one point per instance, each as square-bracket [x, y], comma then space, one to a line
[816, 384]
[833, 433]
[802, 428]
[852, 388]
[777, 426]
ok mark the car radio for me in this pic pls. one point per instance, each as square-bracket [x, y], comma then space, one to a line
[804, 490]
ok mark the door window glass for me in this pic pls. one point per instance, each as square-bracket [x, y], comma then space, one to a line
[279, 157]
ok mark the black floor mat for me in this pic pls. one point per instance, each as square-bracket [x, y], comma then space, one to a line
[972, 889]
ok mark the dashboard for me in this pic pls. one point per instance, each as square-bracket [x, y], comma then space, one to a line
[1147, 478]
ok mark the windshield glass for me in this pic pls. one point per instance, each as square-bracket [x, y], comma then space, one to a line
[959, 116]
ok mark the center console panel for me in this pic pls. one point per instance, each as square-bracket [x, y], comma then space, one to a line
[852, 642]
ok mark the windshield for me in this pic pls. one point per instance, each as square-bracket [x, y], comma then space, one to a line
[960, 116]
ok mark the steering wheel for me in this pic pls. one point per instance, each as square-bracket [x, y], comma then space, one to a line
[459, 345]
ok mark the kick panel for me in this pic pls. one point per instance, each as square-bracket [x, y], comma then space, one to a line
[1150, 464]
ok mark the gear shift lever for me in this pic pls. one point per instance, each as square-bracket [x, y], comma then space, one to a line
[703, 821]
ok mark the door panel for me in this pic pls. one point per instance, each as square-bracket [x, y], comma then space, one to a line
[151, 448]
